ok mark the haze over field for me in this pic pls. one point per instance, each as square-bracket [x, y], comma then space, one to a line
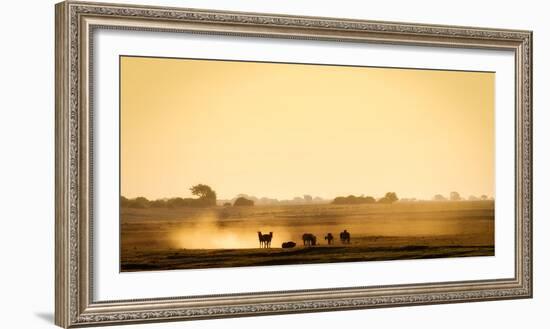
[186, 238]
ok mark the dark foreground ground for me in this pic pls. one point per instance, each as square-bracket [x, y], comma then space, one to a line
[190, 259]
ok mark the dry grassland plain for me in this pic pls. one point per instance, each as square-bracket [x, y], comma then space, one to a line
[214, 237]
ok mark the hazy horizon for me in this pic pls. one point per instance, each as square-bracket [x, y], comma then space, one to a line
[446, 195]
[284, 130]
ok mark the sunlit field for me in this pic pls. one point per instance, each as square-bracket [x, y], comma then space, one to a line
[194, 238]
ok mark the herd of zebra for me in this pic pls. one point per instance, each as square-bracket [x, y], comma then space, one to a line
[308, 239]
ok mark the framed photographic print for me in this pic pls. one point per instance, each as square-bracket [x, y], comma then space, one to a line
[219, 164]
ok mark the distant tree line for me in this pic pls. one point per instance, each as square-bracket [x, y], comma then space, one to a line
[389, 198]
[305, 199]
[455, 196]
[352, 199]
[206, 197]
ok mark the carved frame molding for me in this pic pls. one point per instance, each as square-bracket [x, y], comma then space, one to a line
[76, 22]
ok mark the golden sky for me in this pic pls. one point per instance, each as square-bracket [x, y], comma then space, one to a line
[284, 130]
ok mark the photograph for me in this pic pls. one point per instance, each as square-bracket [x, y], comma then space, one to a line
[227, 163]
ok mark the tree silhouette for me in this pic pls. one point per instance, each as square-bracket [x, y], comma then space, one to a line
[390, 197]
[207, 196]
[454, 196]
[439, 197]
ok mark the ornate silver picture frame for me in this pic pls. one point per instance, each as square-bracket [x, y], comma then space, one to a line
[76, 22]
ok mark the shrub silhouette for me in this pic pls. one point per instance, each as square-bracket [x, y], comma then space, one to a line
[352, 199]
[390, 197]
[139, 202]
[243, 202]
